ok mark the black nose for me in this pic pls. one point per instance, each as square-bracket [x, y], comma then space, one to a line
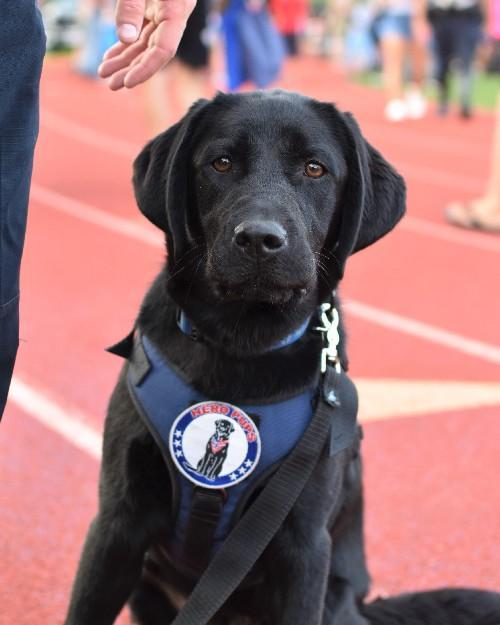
[260, 237]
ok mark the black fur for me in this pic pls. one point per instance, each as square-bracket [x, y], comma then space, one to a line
[242, 302]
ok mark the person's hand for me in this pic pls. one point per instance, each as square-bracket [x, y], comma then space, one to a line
[149, 32]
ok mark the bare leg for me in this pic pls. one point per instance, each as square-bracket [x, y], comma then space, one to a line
[482, 212]
[169, 94]
[392, 48]
[159, 101]
[190, 85]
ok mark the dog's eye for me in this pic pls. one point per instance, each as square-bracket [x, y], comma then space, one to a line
[313, 169]
[222, 164]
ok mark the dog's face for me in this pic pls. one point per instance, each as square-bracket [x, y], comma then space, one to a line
[263, 196]
[266, 187]
[223, 428]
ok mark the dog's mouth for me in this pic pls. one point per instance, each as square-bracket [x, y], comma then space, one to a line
[258, 291]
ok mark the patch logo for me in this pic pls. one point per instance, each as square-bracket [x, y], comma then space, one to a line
[214, 444]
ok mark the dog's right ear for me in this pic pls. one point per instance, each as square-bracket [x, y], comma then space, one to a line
[161, 180]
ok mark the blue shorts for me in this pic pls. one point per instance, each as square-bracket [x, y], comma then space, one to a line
[390, 24]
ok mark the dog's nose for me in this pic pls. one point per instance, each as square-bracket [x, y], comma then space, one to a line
[260, 237]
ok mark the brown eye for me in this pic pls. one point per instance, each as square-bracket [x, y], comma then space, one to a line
[314, 170]
[222, 164]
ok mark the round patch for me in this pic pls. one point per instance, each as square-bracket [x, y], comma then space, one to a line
[214, 444]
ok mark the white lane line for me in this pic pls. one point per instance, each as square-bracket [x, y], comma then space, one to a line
[87, 135]
[430, 176]
[69, 423]
[96, 216]
[406, 325]
[378, 316]
[443, 232]
[380, 400]
[393, 398]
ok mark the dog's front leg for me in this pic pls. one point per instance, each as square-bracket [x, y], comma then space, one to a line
[302, 574]
[133, 511]
[109, 569]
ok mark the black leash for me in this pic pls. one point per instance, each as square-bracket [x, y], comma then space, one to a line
[261, 522]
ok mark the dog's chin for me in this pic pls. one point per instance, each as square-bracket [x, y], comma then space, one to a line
[260, 293]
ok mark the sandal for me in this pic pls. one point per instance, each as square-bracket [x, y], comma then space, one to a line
[466, 215]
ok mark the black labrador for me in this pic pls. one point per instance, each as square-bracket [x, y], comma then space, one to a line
[262, 198]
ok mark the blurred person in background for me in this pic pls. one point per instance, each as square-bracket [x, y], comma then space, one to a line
[170, 92]
[400, 31]
[493, 43]
[360, 53]
[99, 34]
[290, 17]
[457, 31]
[482, 213]
[149, 31]
[254, 49]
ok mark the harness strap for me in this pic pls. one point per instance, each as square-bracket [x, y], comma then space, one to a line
[206, 509]
[261, 522]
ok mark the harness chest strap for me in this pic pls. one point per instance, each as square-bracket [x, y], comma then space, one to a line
[255, 530]
[207, 505]
[160, 395]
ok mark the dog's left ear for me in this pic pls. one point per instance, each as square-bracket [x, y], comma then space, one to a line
[373, 198]
[161, 180]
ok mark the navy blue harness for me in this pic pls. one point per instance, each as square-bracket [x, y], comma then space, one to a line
[160, 395]
[203, 517]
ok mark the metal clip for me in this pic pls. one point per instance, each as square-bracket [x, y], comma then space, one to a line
[330, 331]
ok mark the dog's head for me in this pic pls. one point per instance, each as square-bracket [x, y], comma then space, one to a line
[263, 197]
[223, 428]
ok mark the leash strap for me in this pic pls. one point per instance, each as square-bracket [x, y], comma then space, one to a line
[261, 522]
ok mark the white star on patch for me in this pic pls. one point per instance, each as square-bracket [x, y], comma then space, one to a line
[241, 470]
[178, 453]
[248, 463]
[177, 443]
[178, 433]
[233, 476]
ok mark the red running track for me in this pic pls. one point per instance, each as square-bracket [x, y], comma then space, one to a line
[433, 505]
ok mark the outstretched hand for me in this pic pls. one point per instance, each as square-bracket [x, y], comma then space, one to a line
[149, 32]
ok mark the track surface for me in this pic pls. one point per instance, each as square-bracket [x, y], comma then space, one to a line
[433, 505]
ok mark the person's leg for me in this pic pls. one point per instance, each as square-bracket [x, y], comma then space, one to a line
[159, 101]
[467, 36]
[191, 84]
[416, 31]
[22, 46]
[483, 212]
[392, 50]
[443, 54]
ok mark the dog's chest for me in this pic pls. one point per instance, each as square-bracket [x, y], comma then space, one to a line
[211, 446]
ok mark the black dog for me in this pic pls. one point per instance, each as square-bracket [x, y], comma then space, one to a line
[216, 450]
[262, 197]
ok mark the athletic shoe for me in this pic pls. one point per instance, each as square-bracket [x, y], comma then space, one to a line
[396, 110]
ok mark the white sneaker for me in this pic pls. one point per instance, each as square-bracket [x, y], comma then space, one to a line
[396, 110]
[416, 105]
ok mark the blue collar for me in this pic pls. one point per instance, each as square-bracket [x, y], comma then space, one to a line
[187, 328]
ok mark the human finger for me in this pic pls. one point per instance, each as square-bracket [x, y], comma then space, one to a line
[114, 50]
[129, 53]
[154, 59]
[129, 16]
[171, 18]
[117, 80]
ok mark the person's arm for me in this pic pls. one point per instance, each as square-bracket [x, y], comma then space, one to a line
[149, 32]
